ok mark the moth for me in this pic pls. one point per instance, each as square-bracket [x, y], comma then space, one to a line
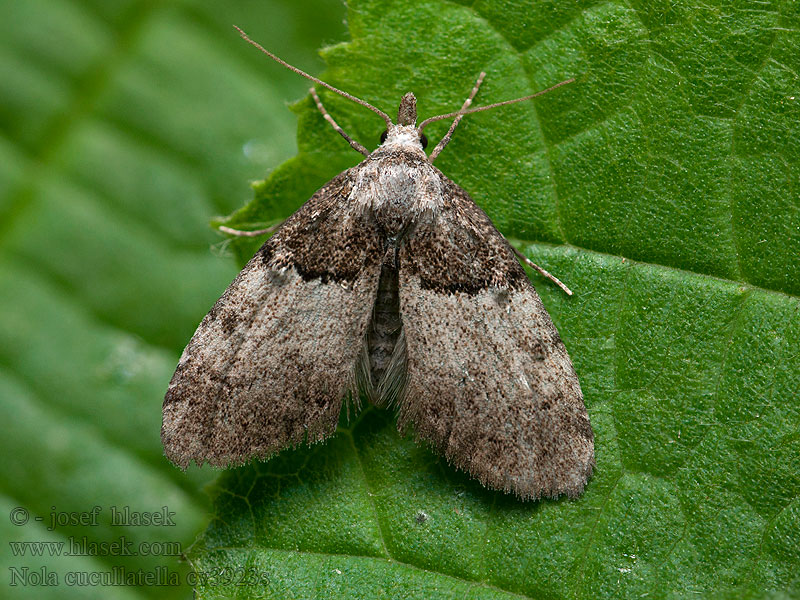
[391, 283]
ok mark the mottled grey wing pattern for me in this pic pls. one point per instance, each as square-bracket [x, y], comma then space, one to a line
[296, 317]
[489, 382]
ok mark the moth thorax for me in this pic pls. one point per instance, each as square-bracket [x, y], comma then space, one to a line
[393, 186]
[407, 114]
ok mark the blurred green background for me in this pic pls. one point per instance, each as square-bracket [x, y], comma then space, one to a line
[126, 125]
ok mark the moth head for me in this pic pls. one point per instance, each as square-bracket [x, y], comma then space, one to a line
[405, 133]
[407, 113]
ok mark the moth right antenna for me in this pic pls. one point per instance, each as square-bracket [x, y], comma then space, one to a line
[488, 106]
[383, 115]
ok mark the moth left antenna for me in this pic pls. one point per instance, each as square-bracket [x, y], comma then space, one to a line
[382, 114]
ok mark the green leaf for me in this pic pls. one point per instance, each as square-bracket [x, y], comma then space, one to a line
[662, 186]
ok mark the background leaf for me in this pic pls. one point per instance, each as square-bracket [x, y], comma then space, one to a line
[662, 187]
[125, 126]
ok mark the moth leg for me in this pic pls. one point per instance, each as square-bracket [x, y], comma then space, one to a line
[536, 267]
[446, 139]
[335, 125]
[255, 233]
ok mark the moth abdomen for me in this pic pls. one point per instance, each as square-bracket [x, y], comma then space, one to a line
[381, 372]
[384, 329]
